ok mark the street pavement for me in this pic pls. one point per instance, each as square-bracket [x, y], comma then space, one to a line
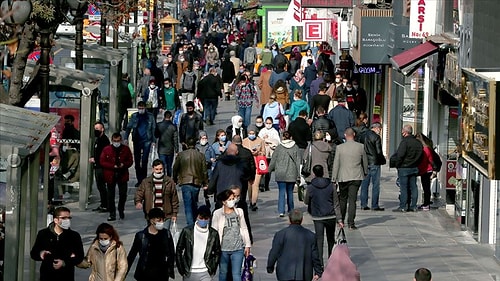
[387, 246]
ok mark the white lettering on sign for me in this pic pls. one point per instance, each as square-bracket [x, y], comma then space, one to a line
[422, 18]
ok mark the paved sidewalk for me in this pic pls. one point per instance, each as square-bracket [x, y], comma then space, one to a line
[387, 246]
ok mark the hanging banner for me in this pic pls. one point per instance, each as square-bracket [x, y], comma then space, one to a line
[422, 18]
[294, 13]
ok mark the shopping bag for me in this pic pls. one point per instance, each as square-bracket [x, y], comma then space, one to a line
[247, 272]
[198, 106]
[261, 164]
[340, 266]
[177, 117]
[175, 233]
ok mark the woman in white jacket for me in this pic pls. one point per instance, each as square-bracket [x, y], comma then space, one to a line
[271, 138]
[229, 221]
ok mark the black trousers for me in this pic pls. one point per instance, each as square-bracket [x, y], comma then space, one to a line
[101, 186]
[122, 197]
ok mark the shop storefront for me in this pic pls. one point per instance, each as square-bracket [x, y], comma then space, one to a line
[478, 159]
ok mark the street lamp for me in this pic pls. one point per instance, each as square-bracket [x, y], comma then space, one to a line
[78, 9]
[15, 12]
[154, 35]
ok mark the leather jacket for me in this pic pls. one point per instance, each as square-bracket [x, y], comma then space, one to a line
[190, 168]
[373, 148]
[184, 251]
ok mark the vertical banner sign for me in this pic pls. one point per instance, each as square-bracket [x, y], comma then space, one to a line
[279, 30]
[422, 18]
[294, 13]
[314, 30]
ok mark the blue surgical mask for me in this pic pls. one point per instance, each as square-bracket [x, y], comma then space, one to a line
[222, 138]
[252, 137]
[203, 223]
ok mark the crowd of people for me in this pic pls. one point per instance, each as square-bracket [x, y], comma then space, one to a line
[311, 131]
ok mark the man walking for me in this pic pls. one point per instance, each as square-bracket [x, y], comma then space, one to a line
[190, 173]
[158, 191]
[190, 125]
[300, 131]
[168, 141]
[285, 249]
[58, 248]
[115, 161]
[209, 90]
[349, 169]
[142, 125]
[198, 249]
[343, 117]
[376, 158]
[406, 160]
[188, 86]
[101, 141]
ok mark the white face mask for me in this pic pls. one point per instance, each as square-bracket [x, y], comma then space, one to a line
[328, 137]
[203, 142]
[231, 203]
[355, 86]
[65, 224]
[337, 80]
[159, 225]
[240, 124]
[181, 52]
[64, 148]
[141, 111]
[104, 243]
[116, 144]
[269, 126]
[158, 175]
[259, 124]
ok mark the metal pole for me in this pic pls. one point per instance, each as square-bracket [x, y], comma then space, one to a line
[154, 35]
[103, 27]
[79, 42]
[115, 27]
[44, 71]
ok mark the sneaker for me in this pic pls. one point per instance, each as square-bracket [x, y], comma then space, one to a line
[111, 218]
[282, 215]
[424, 207]
[365, 208]
[352, 227]
[378, 209]
[399, 210]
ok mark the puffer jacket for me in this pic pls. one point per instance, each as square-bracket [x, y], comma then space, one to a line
[109, 266]
[320, 151]
[184, 251]
[190, 168]
[286, 162]
[145, 195]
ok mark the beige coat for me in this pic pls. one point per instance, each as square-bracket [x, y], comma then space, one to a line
[257, 146]
[265, 88]
[109, 266]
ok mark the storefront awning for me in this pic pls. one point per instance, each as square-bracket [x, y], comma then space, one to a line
[406, 60]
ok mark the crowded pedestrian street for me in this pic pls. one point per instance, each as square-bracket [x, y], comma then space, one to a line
[386, 246]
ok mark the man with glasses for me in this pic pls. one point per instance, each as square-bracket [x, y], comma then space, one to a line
[58, 248]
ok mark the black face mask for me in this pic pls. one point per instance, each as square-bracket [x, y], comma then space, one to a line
[97, 133]
[190, 112]
[68, 125]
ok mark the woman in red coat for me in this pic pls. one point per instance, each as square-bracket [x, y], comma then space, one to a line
[115, 161]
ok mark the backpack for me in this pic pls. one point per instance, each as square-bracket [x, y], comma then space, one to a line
[436, 161]
[188, 82]
[250, 56]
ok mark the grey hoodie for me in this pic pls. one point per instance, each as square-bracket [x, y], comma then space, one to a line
[286, 162]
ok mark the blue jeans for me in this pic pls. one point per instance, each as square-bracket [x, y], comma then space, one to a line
[236, 258]
[190, 197]
[246, 114]
[285, 187]
[167, 162]
[374, 176]
[408, 186]
[210, 107]
[141, 156]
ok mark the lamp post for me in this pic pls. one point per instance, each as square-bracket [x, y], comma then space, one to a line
[77, 9]
[154, 34]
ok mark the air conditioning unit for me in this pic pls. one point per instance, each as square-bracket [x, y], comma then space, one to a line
[366, 2]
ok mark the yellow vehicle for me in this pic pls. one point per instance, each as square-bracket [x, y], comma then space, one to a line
[286, 49]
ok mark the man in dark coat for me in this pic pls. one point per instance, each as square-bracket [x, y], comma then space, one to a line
[300, 131]
[58, 248]
[228, 75]
[296, 261]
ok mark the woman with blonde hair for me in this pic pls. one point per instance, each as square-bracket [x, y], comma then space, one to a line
[106, 256]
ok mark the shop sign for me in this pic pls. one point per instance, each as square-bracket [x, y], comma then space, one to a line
[327, 3]
[451, 69]
[422, 18]
[315, 30]
[367, 69]
[373, 40]
[451, 174]
[399, 39]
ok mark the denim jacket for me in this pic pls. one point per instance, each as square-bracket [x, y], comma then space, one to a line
[134, 122]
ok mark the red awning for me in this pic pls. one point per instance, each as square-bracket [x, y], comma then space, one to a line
[414, 54]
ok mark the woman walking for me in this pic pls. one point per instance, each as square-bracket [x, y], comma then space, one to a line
[286, 164]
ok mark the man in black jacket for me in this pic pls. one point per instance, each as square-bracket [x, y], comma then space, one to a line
[101, 141]
[324, 124]
[168, 141]
[376, 158]
[300, 131]
[202, 263]
[406, 159]
[59, 248]
[209, 90]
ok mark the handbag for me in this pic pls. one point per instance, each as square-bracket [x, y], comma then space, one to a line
[198, 106]
[175, 233]
[282, 120]
[247, 272]
[341, 237]
[261, 164]
[306, 166]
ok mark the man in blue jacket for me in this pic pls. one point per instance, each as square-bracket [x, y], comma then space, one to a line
[295, 261]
